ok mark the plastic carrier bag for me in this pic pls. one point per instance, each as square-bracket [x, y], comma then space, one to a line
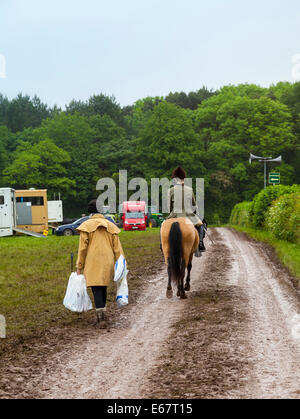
[77, 298]
[122, 290]
[120, 267]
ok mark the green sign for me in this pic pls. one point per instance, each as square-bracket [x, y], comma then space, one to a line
[274, 178]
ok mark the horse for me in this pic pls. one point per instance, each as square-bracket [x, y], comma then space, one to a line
[179, 241]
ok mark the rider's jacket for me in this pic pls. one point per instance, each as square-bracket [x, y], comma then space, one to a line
[182, 203]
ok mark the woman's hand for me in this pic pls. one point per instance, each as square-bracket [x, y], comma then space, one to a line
[78, 271]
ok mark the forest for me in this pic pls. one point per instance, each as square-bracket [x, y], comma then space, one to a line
[209, 133]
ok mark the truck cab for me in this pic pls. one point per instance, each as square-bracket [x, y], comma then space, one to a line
[134, 215]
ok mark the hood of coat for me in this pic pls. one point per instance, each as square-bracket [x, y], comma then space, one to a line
[96, 221]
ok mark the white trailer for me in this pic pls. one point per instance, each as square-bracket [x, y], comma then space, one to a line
[8, 215]
[55, 211]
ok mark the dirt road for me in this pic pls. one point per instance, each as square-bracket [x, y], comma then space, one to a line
[273, 329]
[236, 336]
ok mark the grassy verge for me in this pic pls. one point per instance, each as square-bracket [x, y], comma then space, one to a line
[34, 275]
[288, 253]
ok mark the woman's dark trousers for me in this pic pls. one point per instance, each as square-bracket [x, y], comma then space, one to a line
[100, 293]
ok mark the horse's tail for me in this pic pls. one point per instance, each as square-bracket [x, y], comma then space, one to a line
[176, 261]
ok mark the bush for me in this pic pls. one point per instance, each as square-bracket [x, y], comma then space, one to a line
[283, 218]
[216, 219]
[263, 200]
[240, 214]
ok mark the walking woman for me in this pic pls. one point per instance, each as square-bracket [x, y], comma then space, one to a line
[99, 248]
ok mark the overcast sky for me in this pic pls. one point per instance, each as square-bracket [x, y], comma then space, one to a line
[65, 49]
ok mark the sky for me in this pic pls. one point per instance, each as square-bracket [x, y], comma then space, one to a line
[69, 49]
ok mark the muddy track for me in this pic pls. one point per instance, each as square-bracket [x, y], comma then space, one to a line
[236, 336]
[273, 329]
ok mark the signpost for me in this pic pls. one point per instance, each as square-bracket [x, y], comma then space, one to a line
[274, 178]
[266, 160]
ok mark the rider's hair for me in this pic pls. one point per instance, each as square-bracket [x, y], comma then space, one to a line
[179, 173]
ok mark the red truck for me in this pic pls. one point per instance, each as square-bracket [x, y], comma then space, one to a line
[134, 215]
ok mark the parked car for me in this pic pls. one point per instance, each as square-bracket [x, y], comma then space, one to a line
[70, 229]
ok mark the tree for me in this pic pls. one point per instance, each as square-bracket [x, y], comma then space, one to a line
[98, 105]
[4, 102]
[191, 100]
[40, 166]
[140, 113]
[231, 125]
[169, 140]
[3, 154]
[23, 112]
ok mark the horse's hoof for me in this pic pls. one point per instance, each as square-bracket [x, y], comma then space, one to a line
[183, 296]
[178, 293]
[187, 287]
[169, 293]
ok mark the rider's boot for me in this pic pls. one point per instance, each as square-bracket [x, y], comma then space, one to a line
[200, 230]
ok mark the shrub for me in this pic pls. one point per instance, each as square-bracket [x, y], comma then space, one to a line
[263, 200]
[240, 214]
[283, 218]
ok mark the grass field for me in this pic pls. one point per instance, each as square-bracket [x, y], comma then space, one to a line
[34, 275]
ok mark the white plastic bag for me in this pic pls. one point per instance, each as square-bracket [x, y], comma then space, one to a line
[122, 290]
[120, 267]
[77, 298]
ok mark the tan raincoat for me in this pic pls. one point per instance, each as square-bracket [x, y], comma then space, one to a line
[99, 248]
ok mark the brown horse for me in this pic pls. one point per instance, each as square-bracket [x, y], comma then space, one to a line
[179, 240]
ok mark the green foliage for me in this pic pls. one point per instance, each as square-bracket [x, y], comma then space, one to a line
[191, 100]
[169, 140]
[98, 105]
[95, 145]
[139, 114]
[240, 214]
[276, 209]
[40, 165]
[264, 199]
[209, 133]
[283, 218]
[237, 121]
[4, 135]
[22, 112]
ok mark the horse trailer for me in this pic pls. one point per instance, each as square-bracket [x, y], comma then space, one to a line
[27, 212]
[32, 210]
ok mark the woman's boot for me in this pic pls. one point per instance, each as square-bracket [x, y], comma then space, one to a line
[101, 317]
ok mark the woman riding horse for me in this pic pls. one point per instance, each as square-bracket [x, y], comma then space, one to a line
[186, 203]
[179, 238]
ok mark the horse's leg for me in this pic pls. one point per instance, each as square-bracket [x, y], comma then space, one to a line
[188, 277]
[169, 293]
[181, 281]
[179, 288]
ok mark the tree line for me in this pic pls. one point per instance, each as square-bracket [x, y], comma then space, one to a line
[209, 133]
